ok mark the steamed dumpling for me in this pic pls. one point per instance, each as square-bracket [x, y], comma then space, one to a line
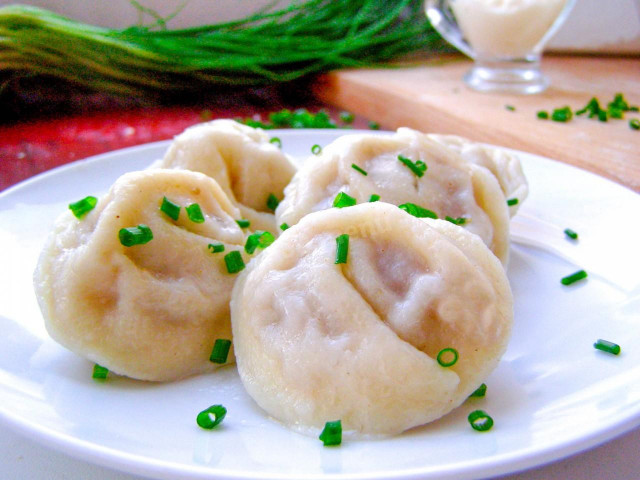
[241, 159]
[151, 311]
[505, 166]
[317, 341]
[450, 186]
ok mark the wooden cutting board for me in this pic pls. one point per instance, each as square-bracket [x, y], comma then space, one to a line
[431, 97]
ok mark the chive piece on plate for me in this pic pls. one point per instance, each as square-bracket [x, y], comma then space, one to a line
[211, 417]
[571, 233]
[480, 420]
[607, 346]
[574, 277]
[332, 433]
[100, 372]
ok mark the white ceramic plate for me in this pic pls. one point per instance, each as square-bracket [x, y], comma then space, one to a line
[552, 395]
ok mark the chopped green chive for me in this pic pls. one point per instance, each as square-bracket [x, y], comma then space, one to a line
[211, 417]
[374, 125]
[603, 115]
[374, 198]
[418, 167]
[358, 169]
[634, 124]
[347, 117]
[272, 202]
[592, 108]
[511, 108]
[571, 234]
[343, 200]
[316, 149]
[100, 372]
[234, 262]
[135, 235]
[332, 433]
[194, 212]
[563, 114]
[480, 420]
[512, 201]
[243, 223]
[447, 357]
[300, 118]
[607, 346]
[284, 226]
[456, 221]
[619, 104]
[543, 115]
[613, 113]
[614, 110]
[172, 210]
[417, 210]
[481, 391]
[258, 239]
[216, 247]
[342, 248]
[82, 207]
[574, 277]
[276, 141]
[220, 350]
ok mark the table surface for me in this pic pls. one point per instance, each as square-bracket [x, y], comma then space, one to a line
[430, 95]
[28, 148]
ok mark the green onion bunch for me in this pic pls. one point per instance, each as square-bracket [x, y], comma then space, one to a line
[273, 45]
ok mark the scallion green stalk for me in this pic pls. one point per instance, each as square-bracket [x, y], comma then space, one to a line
[220, 350]
[82, 207]
[211, 417]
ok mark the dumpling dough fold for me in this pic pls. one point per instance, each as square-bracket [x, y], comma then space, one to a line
[241, 159]
[317, 341]
[451, 186]
[505, 166]
[152, 311]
